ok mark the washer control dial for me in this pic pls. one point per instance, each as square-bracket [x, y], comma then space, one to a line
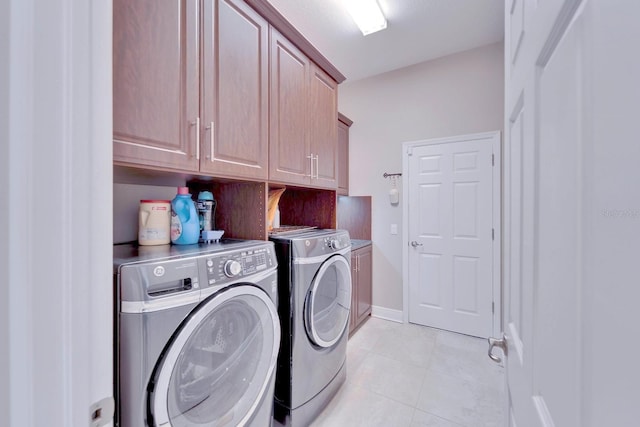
[232, 268]
[334, 244]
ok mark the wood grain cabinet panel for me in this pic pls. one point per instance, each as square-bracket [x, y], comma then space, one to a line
[361, 285]
[303, 117]
[323, 127]
[155, 82]
[343, 154]
[177, 106]
[288, 143]
[235, 91]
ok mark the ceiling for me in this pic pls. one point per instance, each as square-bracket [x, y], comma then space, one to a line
[417, 31]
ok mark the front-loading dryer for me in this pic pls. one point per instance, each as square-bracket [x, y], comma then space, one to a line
[197, 334]
[314, 277]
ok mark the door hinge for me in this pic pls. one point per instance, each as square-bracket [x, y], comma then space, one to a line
[410, 151]
[493, 160]
[493, 234]
[493, 307]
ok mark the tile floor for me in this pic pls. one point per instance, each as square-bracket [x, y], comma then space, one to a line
[414, 376]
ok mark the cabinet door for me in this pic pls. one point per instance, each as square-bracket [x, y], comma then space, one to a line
[155, 82]
[364, 266]
[235, 98]
[288, 143]
[343, 158]
[323, 127]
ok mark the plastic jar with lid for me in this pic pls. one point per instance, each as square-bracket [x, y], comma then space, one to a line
[154, 222]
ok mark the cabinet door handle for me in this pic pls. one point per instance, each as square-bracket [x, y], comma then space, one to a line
[197, 125]
[317, 166]
[211, 128]
[310, 165]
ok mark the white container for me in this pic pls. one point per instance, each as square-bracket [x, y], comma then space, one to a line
[154, 222]
[276, 218]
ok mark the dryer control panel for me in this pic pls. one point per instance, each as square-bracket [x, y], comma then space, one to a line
[229, 267]
[337, 242]
[318, 243]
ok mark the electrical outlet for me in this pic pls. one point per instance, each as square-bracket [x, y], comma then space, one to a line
[394, 228]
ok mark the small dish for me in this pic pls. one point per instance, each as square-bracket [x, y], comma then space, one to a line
[211, 235]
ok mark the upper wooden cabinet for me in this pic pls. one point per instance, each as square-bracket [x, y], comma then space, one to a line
[212, 87]
[177, 108]
[155, 82]
[323, 127]
[235, 90]
[289, 155]
[303, 118]
[343, 154]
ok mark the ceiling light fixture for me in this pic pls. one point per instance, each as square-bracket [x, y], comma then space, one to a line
[367, 15]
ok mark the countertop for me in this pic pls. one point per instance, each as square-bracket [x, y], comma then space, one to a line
[358, 244]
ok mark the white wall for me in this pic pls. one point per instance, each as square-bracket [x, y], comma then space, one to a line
[454, 95]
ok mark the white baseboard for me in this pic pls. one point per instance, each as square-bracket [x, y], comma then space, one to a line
[386, 313]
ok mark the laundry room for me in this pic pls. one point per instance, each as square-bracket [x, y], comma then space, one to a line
[272, 213]
[298, 194]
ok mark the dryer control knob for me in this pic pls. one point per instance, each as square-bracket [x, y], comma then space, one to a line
[334, 244]
[232, 268]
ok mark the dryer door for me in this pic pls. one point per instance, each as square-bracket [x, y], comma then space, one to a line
[328, 301]
[220, 362]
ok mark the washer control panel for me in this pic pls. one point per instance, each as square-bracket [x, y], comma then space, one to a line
[232, 266]
[337, 242]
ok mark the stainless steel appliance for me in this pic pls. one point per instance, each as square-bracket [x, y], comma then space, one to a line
[197, 334]
[314, 286]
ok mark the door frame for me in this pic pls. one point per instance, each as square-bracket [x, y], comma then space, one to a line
[496, 141]
[56, 354]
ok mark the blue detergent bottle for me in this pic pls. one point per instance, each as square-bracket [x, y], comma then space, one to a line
[185, 227]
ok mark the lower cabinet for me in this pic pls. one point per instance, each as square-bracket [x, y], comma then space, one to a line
[361, 268]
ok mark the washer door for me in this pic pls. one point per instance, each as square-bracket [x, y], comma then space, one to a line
[220, 362]
[328, 302]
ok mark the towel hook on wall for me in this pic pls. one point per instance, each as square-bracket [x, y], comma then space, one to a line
[394, 194]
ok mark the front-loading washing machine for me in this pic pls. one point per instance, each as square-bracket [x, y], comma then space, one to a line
[196, 334]
[314, 277]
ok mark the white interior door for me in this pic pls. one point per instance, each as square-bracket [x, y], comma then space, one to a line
[451, 232]
[543, 155]
[555, 82]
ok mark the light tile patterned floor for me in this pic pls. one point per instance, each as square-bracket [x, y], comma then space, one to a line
[414, 376]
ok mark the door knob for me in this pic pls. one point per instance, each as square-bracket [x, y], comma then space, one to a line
[415, 244]
[500, 343]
